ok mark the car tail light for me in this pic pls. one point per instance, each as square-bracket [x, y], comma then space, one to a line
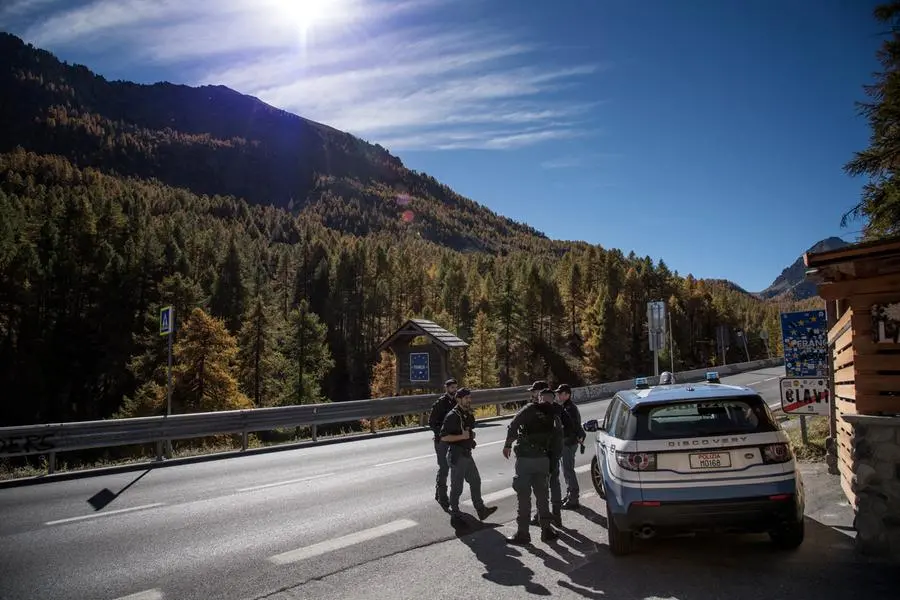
[781, 497]
[776, 453]
[637, 461]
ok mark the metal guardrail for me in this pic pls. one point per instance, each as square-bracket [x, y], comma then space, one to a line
[51, 438]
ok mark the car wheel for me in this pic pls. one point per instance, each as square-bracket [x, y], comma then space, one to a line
[620, 542]
[788, 537]
[597, 478]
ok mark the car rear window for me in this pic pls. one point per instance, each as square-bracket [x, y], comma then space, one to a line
[698, 418]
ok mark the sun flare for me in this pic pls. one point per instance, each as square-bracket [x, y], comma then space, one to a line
[306, 15]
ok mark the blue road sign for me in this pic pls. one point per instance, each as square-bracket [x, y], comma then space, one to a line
[805, 337]
[166, 320]
[419, 367]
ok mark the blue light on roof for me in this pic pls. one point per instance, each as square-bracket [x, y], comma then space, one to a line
[641, 383]
[712, 377]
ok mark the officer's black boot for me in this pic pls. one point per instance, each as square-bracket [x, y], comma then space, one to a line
[440, 494]
[557, 515]
[521, 538]
[547, 532]
[485, 511]
[571, 503]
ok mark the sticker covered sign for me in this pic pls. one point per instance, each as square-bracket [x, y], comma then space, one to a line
[805, 336]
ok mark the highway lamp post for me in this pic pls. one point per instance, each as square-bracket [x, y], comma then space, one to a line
[764, 336]
[167, 329]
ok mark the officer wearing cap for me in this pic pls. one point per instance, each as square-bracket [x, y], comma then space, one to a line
[556, 499]
[573, 437]
[537, 432]
[536, 388]
[439, 410]
[457, 432]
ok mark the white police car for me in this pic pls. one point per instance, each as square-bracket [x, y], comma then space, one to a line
[695, 457]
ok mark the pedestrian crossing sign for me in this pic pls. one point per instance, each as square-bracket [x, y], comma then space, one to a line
[166, 315]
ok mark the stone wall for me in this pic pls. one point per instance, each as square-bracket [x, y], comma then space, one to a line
[874, 486]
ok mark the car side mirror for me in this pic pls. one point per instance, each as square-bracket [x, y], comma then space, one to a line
[592, 426]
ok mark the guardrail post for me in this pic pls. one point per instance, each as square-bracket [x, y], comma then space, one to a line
[372, 424]
[159, 451]
[244, 441]
[51, 463]
[423, 419]
[314, 430]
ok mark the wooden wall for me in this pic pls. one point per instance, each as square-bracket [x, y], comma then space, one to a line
[436, 358]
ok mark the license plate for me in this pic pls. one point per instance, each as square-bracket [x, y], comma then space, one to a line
[710, 460]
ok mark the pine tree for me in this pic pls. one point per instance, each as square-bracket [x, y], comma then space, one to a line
[880, 204]
[481, 372]
[308, 359]
[383, 376]
[258, 357]
[205, 357]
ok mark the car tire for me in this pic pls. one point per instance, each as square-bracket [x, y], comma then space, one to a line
[597, 478]
[788, 537]
[621, 543]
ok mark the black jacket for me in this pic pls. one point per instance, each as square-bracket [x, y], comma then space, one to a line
[439, 410]
[572, 429]
[457, 421]
[537, 430]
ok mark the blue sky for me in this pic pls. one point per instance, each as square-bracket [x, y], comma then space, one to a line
[708, 133]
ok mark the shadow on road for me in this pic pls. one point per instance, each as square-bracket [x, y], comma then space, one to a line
[500, 560]
[732, 567]
[102, 498]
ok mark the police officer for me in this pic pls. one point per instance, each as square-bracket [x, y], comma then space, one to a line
[537, 432]
[556, 500]
[573, 437]
[457, 432]
[439, 410]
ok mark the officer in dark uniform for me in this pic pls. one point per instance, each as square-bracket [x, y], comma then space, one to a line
[457, 432]
[573, 437]
[556, 501]
[439, 410]
[538, 434]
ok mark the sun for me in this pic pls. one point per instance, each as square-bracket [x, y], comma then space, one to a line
[306, 15]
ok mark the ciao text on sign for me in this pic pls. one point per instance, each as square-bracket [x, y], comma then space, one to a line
[27, 444]
[805, 395]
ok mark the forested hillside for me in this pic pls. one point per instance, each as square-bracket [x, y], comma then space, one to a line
[214, 140]
[289, 251]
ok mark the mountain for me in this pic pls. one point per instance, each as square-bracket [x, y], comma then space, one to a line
[307, 245]
[792, 283]
[214, 140]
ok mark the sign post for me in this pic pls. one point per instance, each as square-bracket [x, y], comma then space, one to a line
[805, 387]
[722, 341]
[743, 338]
[167, 329]
[764, 336]
[656, 330]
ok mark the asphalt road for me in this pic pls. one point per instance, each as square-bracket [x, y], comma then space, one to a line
[356, 519]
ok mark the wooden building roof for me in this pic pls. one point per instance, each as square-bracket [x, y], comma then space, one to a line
[423, 327]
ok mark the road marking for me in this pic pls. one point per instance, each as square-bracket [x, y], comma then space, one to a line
[489, 444]
[145, 595]
[104, 514]
[403, 460]
[500, 495]
[288, 482]
[341, 542]
[508, 492]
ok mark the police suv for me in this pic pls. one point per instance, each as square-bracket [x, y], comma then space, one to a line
[695, 457]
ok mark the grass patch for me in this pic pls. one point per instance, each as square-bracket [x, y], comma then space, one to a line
[818, 431]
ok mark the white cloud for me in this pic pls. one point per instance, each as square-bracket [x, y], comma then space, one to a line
[372, 67]
[577, 160]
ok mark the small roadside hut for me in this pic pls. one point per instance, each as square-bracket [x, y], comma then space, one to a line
[422, 350]
[861, 287]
